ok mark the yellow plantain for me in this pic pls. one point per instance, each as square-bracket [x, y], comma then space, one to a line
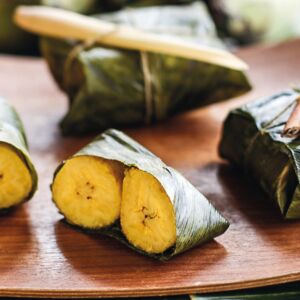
[147, 214]
[15, 177]
[88, 191]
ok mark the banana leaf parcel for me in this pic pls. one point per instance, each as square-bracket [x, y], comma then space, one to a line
[18, 178]
[116, 186]
[252, 139]
[109, 87]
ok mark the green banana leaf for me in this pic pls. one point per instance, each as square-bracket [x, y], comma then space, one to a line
[107, 87]
[13, 134]
[197, 221]
[252, 140]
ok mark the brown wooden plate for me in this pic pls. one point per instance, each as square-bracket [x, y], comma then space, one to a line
[42, 257]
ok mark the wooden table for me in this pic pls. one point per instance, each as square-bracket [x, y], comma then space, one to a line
[39, 256]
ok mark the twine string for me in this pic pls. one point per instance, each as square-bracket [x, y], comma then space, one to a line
[72, 56]
[83, 46]
[149, 105]
[148, 91]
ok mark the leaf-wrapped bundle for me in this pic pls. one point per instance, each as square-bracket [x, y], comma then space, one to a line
[112, 87]
[18, 178]
[252, 139]
[118, 187]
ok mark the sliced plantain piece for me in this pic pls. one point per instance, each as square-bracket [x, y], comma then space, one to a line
[147, 214]
[18, 178]
[88, 189]
[15, 178]
[158, 213]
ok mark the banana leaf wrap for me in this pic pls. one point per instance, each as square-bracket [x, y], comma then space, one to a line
[252, 140]
[107, 87]
[197, 221]
[12, 133]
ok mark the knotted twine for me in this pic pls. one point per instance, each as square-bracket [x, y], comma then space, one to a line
[144, 61]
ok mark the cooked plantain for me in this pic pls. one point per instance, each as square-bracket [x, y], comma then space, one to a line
[18, 178]
[88, 191]
[147, 214]
[15, 179]
[117, 186]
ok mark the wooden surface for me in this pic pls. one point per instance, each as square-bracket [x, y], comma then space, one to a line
[40, 256]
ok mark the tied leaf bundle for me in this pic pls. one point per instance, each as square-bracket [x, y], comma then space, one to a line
[110, 87]
[253, 139]
[117, 187]
[18, 178]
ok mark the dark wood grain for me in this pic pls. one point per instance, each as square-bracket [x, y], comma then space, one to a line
[40, 256]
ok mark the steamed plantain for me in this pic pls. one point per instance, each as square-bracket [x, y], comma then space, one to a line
[121, 189]
[88, 190]
[18, 178]
[15, 178]
[147, 214]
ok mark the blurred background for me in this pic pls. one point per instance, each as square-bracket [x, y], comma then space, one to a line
[238, 23]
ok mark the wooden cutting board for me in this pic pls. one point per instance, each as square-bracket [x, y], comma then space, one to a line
[42, 257]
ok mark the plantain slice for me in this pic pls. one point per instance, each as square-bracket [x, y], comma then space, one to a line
[147, 214]
[15, 178]
[88, 191]
[18, 178]
[140, 201]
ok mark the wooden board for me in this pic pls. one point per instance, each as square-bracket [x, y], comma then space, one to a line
[40, 256]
